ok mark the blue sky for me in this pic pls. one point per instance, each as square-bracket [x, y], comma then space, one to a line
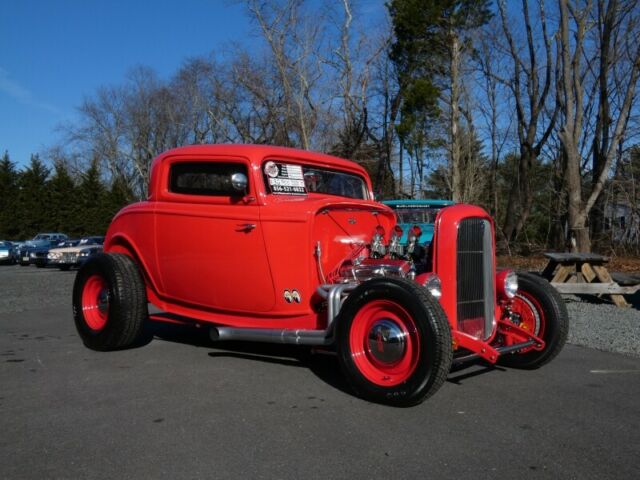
[53, 53]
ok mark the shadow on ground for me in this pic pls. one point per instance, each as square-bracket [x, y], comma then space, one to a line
[321, 362]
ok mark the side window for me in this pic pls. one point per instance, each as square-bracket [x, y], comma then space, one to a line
[204, 178]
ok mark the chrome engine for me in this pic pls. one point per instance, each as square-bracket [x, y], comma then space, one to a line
[361, 270]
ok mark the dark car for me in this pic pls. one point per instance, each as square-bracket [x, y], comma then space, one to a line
[35, 251]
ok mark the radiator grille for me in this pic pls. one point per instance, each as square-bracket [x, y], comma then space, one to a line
[69, 257]
[475, 295]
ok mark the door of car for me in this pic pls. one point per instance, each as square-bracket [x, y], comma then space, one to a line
[210, 245]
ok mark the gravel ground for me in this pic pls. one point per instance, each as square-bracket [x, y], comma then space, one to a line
[593, 324]
[604, 326]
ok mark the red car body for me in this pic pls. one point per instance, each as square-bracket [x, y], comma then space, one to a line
[201, 260]
[273, 264]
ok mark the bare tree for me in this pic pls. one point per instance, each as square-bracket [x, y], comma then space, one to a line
[530, 87]
[616, 30]
[572, 46]
[292, 40]
[494, 106]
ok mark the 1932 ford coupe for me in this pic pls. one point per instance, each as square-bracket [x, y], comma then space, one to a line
[293, 249]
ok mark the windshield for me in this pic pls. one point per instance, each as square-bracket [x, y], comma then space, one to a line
[92, 241]
[290, 179]
[417, 215]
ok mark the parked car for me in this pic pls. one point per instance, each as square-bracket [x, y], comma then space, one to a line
[7, 253]
[294, 249]
[35, 251]
[420, 213]
[67, 256]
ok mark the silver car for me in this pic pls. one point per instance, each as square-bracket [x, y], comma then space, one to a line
[7, 253]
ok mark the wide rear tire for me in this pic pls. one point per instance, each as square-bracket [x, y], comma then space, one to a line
[394, 342]
[541, 311]
[109, 302]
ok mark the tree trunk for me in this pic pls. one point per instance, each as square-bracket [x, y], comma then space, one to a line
[457, 190]
[579, 240]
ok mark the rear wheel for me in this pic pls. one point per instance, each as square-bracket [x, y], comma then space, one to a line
[109, 302]
[539, 309]
[394, 342]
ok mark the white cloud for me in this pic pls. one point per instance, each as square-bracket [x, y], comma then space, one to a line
[22, 94]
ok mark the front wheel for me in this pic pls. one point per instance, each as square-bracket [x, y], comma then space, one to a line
[394, 342]
[109, 302]
[539, 309]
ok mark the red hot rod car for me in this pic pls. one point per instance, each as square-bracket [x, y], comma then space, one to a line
[294, 249]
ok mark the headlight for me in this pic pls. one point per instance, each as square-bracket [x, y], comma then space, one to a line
[507, 283]
[84, 253]
[511, 284]
[431, 282]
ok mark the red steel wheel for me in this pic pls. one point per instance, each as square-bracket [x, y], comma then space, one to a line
[393, 341]
[530, 313]
[109, 302]
[384, 342]
[539, 309]
[95, 302]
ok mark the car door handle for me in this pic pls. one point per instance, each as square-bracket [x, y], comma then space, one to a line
[246, 227]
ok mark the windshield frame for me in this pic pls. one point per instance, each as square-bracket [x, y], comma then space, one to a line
[318, 180]
[427, 212]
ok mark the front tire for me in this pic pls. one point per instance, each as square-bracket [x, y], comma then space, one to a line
[394, 342]
[109, 302]
[541, 311]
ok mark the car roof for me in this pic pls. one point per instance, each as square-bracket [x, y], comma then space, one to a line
[255, 153]
[418, 203]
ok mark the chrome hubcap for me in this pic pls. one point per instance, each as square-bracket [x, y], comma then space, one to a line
[103, 300]
[387, 342]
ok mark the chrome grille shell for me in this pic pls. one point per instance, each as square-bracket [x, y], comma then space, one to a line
[463, 256]
[474, 278]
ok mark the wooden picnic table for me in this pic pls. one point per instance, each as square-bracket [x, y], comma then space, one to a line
[584, 273]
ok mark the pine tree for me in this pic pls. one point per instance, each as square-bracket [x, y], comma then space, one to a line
[32, 199]
[430, 37]
[90, 211]
[118, 196]
[62, 195]
[8, 192]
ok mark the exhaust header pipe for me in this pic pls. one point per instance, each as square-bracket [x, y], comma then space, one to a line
[294, 337]
[334, 294]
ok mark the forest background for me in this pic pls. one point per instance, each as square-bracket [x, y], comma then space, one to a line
[529, 108]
